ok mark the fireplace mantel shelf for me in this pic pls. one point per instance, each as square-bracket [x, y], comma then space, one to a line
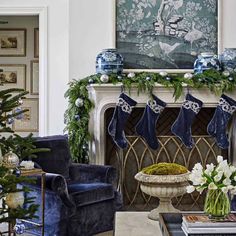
[105, 96]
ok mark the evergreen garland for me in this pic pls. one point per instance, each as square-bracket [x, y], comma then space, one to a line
[77, 118]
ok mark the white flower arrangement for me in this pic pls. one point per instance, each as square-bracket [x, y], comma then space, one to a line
[221, 176]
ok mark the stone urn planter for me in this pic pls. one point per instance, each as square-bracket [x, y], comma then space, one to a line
[165, 187]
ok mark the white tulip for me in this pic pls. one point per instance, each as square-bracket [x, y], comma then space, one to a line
[219, 159]
[217, 178]
[190, 189]
[209, 169]
[227, 181]
[224, 189]
[212, 186]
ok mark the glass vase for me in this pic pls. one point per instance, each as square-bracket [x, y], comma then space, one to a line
[217, 204]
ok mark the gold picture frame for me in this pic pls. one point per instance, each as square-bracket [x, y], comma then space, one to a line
[36, 42]
[12, 42]
[34, 77]
[30, 120]
[13, 76]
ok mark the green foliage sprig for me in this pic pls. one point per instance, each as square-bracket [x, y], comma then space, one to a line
[77, 118]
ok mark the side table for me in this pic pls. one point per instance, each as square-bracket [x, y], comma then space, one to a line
[32, 173]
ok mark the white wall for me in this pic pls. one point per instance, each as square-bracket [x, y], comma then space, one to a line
[91, 29]
[58, 57]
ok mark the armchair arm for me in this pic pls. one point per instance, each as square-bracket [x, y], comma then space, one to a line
[57, 184]
[85, 173]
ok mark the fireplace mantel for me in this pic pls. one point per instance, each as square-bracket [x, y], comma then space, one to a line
[105, 96]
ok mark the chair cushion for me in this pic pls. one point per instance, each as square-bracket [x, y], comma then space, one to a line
[89, 193]
[58, 159]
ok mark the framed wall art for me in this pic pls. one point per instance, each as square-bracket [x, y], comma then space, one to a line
[166, 34]
[13, 76]
[30, 120]
[36, 42]
[12, 42]
[34, 77]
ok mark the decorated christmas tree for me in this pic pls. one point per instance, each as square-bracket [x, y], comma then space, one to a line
[14, 148]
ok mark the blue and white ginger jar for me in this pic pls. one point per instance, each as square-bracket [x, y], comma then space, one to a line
[206, 61]
[228, 59]
[109, 61]
[19, 228]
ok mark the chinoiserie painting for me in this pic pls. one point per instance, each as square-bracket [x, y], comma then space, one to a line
[165, 34]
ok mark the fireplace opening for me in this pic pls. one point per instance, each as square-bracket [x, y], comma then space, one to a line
[138, 155]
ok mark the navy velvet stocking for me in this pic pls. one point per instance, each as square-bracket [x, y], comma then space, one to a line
[182, 126]
[146, 127]
[122, 111]
[218, 124]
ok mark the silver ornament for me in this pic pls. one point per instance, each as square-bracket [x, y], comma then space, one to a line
[20, 101]
[20, 116]
[226, 73]
[14, 200]
[188, 76]
[131, 75]
[79, 102]
[230, 78]
[163, 73]
[168, 78]
[104, 78]
[10, 160]
[10, 121]
[148, 78]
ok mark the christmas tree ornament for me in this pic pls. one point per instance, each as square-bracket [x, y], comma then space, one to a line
[182, 126]
[119, 77]
[90, 81]
[20, 101]
[218, 125]
[200, 80]
[121, 113]
[79, 102]
[10, 121]
[226, 73]
[19, 227]
[146, 127]
[131, 75]
[231, 78]
[148, 78]
[17, 172]
[15, 199]
[21, 115]
[104, 78]
[163, 73]
[188, 76]
[168, 78]
[10, 160]
[77, 117]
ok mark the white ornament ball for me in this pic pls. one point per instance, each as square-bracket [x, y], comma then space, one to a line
[131, 75]
[14, 200]
[226, 73]
[104, 78]
[163, 73]
[10, 160]
[79, 102]
[188, 76]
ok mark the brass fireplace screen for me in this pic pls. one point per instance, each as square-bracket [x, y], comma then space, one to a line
[138, 155]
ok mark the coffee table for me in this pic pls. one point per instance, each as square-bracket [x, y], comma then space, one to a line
[135, 224]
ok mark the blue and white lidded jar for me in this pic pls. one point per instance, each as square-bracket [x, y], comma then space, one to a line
[19, 228]
[206, 61]
[228, 59]
[109, 61]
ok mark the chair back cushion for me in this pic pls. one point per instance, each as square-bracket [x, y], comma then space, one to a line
[58, 159]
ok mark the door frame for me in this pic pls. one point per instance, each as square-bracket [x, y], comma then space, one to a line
[42, 12]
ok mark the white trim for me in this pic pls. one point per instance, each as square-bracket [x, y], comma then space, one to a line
[219, 45]
[41, 11]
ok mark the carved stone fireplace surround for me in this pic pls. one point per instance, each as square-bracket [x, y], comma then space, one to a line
[105, 96]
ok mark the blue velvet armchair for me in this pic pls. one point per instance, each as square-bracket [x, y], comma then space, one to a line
[80, 199]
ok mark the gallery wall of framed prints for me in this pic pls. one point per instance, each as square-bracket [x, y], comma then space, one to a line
[19, 60]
